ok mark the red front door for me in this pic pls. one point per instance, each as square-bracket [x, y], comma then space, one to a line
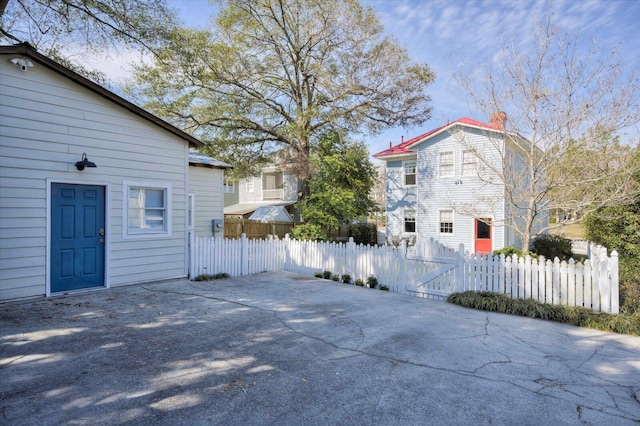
[483, 236]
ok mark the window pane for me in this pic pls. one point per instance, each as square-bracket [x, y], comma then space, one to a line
[146, 209]
[483, 230]
[409, 221]
[409, 227]
[409, 179]
[469, 161]
[153, 197]
[446, 164]
[446, 222]
[154, 219]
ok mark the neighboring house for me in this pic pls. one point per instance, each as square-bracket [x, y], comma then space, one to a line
[93, 189]
[206, 181]
[431, 175]
[273, 187]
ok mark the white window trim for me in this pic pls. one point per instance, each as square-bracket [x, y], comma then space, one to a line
[453, 221]
[404, 221]
[166, 186]
[250, 188]
[453, 164]
[404, 172]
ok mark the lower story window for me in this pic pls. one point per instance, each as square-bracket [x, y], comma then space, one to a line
[446, 221]
[147, 209]
[409, 221]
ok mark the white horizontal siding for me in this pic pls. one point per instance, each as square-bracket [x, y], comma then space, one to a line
[46, 123]
[462, 192]
[399, 198]
[207, 186]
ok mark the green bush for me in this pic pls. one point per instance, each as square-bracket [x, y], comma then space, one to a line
[318, 275]
[384, 288]
[308, 232]
[552, 246]
[335, 278]
[582, 317]
[363, 233]
[618, 228]
[372, 282]
[346, 278]
[359, 282]
[326, 275]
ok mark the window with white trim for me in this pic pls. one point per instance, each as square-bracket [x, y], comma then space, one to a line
[147, 208]
[446, 221]
[409, 173]
[469, 163]
[446, 164]
[229, 186]
[409, 221]
[250, 187]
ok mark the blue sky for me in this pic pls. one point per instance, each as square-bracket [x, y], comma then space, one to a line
[446, 34]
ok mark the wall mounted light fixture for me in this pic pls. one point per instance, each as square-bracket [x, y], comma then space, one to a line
[80, 165]
[22, 63]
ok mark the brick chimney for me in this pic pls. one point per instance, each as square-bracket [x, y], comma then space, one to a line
[498, 120]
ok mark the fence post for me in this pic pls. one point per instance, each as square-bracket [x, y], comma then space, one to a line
[615, 283]
[244, 254]
[192, 253]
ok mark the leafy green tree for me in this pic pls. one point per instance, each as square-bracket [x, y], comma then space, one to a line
[70, 30]
[342, 179]
[271, 76]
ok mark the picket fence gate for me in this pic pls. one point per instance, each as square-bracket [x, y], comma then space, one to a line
[426, 269]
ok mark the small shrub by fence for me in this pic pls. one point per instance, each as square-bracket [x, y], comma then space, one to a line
[427, 269]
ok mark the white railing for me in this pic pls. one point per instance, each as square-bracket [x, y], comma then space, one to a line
[427, 270]
[273, 194]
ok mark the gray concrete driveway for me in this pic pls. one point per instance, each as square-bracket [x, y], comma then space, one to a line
[278, 348]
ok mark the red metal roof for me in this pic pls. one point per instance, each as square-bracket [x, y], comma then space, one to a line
[402, 148]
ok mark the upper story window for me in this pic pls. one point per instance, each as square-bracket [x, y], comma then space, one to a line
[409, 173]
[272, 186]
[446, 164]
[229, 186]
[250, 184]
[446, 221]
[469, 163]
[147, 208]
[409, 221]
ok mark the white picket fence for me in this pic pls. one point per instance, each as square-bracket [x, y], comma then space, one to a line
[426, 270]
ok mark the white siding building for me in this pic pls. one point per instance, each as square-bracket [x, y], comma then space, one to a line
[206, 181]
[121, 217]
[437, 187]
[273, 187]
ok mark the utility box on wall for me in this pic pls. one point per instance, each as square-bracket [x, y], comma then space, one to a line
[218, 225]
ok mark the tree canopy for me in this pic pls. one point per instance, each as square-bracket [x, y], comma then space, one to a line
[273, 75]
[566, 113]
[67, 30]
[342, 179]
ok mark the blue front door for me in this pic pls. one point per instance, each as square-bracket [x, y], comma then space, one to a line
[77, 236]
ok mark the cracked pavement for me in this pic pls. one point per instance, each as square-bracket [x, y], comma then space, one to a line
[278, 348]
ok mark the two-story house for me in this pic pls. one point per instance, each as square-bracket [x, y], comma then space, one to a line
[273, 187]
[447, 184]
